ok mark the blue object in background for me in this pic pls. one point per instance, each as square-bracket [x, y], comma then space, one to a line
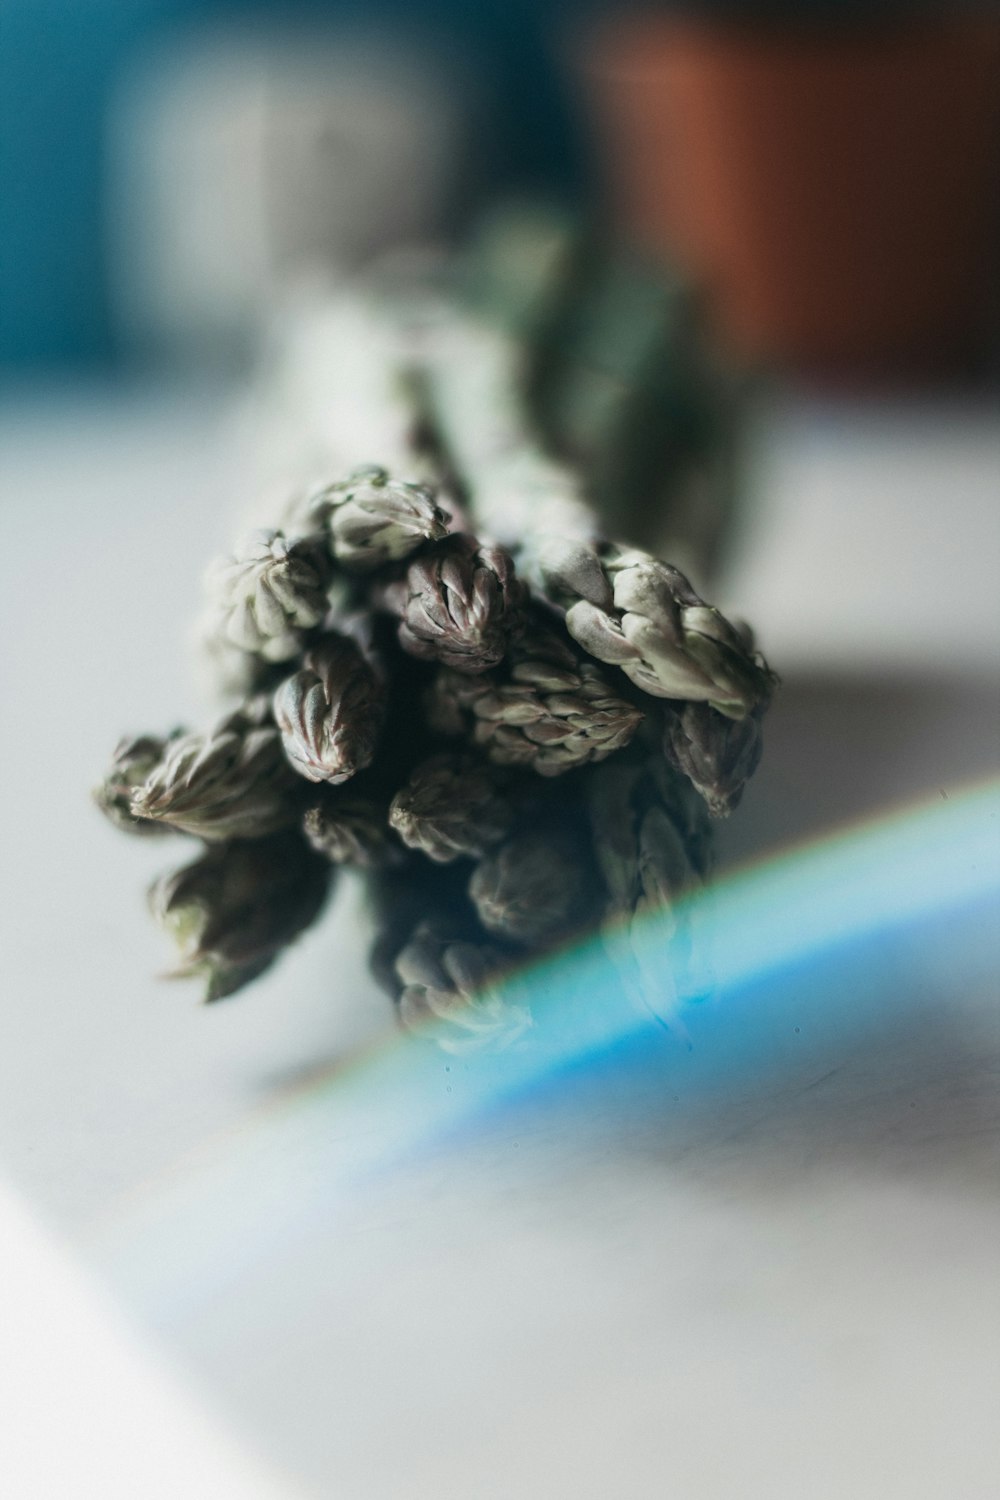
[61, 62]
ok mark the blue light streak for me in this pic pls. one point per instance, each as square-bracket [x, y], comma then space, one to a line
[818, 942]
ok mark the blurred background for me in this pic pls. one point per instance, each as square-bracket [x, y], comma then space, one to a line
[826, 170]
[781, 224]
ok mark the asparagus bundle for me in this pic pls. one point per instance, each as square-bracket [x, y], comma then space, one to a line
[513, 727]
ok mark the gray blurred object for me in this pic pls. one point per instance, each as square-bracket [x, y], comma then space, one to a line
[240, 166]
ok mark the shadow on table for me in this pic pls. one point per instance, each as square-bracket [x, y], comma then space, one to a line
[882, 1056]
[840, 748]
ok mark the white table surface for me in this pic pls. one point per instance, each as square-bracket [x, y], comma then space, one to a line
[786, 1290]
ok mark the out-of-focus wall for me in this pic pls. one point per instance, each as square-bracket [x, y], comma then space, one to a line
[63, 62]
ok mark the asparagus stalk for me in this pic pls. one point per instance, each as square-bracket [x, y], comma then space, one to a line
[624, 607]
[471, 872]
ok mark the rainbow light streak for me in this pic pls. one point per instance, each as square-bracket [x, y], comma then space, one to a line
[777, 935]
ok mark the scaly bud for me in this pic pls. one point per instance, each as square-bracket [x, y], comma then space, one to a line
[718, 755]
[652, 843]
[666, 639]
[457, 604]
[535, 888]
[373, 519]
[330, 712]
[233, 910]
[445, 988]
[352, 830]
[232, 782]
[548, 709]
[134, 759]
[452, 806]
[270, 591]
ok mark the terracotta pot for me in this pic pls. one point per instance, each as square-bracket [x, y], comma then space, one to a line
[835, 192]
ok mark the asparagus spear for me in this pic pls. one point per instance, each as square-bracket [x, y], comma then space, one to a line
[624, 607]
[431, 400]
[536, 887]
